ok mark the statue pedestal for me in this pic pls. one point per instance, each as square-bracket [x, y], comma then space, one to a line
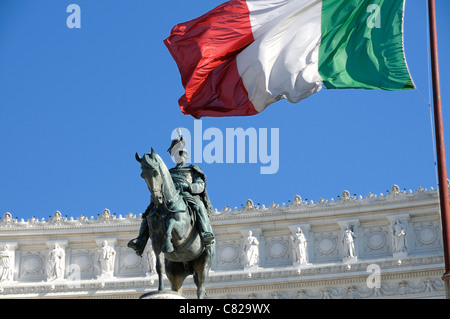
[350, 260]
[162, 295]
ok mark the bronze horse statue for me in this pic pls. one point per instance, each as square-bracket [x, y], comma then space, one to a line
[172, 229]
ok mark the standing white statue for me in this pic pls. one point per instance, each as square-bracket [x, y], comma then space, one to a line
[299, 243]
[399, 237]
[56, 263]
[106, 259]
[151, 259]
[348, 242]
[251, 250]
[6, 264]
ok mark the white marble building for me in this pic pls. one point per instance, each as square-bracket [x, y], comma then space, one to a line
[377, 246]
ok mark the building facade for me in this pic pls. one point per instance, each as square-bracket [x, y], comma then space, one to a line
[377, 246]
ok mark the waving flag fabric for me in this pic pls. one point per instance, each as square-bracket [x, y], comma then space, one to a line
[243, 56]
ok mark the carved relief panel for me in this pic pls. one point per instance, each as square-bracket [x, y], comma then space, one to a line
[376, 241]
[32, 266]
[427, 235]
[326, 248]
[85, 260]
[277, 251]
[131, 264]
[228, 255]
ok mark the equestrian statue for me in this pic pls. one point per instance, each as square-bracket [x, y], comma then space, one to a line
[177, 219]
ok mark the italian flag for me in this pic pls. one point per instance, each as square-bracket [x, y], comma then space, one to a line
[244, 55]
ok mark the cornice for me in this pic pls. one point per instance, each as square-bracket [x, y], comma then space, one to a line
[346, 205]
[59, 224]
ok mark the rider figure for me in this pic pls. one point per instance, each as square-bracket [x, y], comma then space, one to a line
[191, 183]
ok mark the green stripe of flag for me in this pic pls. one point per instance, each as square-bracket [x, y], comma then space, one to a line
[362, 45]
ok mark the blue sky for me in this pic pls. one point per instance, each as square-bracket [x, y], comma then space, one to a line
[76, 104]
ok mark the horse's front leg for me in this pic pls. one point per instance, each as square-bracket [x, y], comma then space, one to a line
[175, 228]
[201, 267]
[159, 262]
[168, 245]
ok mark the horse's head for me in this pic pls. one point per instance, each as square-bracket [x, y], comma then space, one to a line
[151, 173]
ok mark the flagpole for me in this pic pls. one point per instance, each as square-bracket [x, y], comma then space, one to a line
[440, 146]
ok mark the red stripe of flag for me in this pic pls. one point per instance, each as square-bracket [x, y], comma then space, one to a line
[205, 51]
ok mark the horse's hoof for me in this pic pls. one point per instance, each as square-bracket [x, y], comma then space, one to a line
[201, 294]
